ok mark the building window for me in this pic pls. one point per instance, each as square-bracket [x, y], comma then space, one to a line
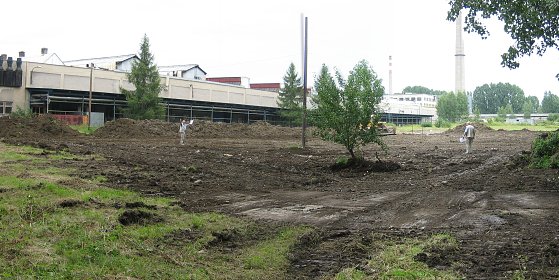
[5, 107]
[419, 99]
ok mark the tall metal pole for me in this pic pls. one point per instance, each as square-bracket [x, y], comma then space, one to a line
[90, 93]
[305, 50]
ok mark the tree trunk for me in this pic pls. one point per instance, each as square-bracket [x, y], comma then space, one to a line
[352, 154]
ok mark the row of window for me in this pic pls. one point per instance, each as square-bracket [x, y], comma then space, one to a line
[5, 107]
[415, 99]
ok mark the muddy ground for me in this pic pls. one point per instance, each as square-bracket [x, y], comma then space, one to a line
[503, 213]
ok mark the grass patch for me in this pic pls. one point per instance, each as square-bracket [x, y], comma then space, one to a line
[400, 259]
[511, 127]
[53, 231]
[84, 129]
[418, 128]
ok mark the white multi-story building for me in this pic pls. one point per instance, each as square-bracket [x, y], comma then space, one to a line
[410, 104]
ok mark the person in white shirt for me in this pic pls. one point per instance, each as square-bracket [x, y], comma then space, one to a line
[469, 134]
[182, 130]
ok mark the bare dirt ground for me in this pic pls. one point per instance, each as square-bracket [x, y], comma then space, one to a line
[503, 213]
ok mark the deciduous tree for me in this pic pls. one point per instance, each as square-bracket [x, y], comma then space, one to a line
[144, 101]
[550, 103]
[532, 24]
[489, 97]
[346, 108]
[417, 89]
[535, 103]
[452, 106]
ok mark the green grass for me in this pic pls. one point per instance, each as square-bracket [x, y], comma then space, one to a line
[538, 127]
[84, 129]
[395, 260]
[41, 239]
[417, 128]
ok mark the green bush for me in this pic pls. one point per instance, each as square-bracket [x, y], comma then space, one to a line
[426, 124]
[553, 117]
[442, 123]
[22, 113]
[545, 151]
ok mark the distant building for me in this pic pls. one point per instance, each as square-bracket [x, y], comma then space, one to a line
[273, 87]
[122, 63]
[410, 104]
[239, 81]
[188, 71]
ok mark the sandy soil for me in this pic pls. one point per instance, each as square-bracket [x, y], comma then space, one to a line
[500, 210]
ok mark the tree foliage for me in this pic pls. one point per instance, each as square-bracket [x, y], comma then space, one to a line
[504, 112]
[144, 101]
[527, 108]
[290, 97]
[422, 90]
[417, 89]
[346, 108]
[535, 103]
[532, 24]
[550, 103]
[452, 106]
[489, 97]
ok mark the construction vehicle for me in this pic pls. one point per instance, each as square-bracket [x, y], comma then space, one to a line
[383, 129]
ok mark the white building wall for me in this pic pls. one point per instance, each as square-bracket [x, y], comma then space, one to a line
[420, 104]
[77, 78]
[194, 74]
[125, 66]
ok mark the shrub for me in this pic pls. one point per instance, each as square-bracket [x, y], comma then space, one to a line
[22, 113]
[426, 124]
[553, 117]
[545, 151]
[442, 123]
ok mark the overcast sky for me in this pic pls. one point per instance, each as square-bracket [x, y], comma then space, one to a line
[259, 39]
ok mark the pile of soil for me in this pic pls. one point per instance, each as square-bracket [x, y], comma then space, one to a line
[133, 129]
[35, 128]
[478, 126]
[257, 130]
[147, 129]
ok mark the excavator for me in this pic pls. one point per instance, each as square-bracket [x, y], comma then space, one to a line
[383, 129]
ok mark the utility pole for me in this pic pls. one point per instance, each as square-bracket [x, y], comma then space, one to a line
[305, 48]
[90, 94]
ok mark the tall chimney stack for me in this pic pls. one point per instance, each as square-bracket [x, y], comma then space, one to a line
[44, 51]
[459, 71]
[390, 75]
[21, 54]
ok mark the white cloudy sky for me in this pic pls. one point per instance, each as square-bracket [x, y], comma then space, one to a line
[258, 39]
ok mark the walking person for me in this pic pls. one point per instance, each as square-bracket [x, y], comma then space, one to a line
[182, 130]
[469, 134]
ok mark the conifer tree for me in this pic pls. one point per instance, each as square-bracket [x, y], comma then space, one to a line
[144, 101]
[289, 98]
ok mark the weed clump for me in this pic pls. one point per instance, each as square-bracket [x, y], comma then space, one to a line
[545, 151]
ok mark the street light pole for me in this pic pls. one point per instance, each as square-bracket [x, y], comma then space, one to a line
[90, 93]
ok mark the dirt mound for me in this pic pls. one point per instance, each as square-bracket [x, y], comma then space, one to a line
[129, 128]
[205, 129]
[143, 129]
[34, 128]
[478, 126]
